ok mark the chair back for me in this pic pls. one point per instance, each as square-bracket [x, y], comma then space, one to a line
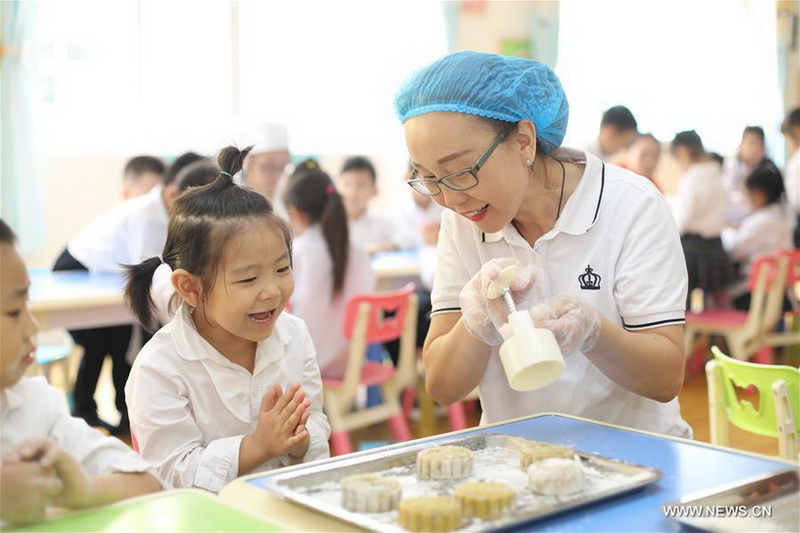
[775, 293]
[380, 317]
[387, 314]
[792, 275]
[742, 374]
[766, 284]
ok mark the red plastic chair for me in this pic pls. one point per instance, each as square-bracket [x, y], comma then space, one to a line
[373, 318]
[744, 331]
[788, 337]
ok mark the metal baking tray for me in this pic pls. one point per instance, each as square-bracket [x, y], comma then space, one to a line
[769, 502]
[496, 459]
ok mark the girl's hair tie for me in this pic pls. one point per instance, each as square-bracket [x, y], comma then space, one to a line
[329, 189]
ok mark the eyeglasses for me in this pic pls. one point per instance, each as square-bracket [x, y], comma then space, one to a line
[461, 180]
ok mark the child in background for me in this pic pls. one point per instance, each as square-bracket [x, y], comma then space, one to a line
[49, 459]
[751, 153]
[266, 164]
[231, 385]
[618, 128]
[141, 174]
[197, 174]
[328, 267]
[791, 129]
[357, 186]
[641, 156]
[126, 234]
[767, 229]
[700, 217]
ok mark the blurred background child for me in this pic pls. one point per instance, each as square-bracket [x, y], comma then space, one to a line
[49, 459]
[357, 185]
[700, 217]
[767, 229]
[267, 163]
[641, 156]
[618, 128]
[141, 174]
[750, 153]
[328, 267]
[231, 385]
[126, 234]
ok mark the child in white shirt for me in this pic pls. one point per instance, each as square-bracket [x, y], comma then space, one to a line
[767, 229]
[49, 459]
[357, 185]
[329, 268]
[702, 203]
[231, 385]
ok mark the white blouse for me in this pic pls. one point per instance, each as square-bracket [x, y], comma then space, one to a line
[190, 406]
[32, 408]
[764, 231]
[128, 233]
[702, 201]
[313, 299]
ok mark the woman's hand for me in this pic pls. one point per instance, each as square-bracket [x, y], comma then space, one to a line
[482, 315]
[575, 325]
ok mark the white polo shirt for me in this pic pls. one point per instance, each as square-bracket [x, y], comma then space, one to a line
[615, 247]
[128, 233]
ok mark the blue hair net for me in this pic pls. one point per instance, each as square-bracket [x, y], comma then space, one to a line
[489, 85]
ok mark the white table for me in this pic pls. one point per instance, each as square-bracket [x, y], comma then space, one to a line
[394, 269]
[77, 299]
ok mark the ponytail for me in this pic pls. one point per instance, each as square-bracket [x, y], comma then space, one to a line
[137, 291]
[311, 191]
[335, 231]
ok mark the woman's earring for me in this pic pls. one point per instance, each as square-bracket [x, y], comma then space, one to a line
[529, 163]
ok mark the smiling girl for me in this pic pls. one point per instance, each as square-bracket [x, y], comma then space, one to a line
[231, 385]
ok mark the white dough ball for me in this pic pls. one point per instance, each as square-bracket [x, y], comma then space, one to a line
[556, 476]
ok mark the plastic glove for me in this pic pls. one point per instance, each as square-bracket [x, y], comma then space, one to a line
[483, 316]
[575, 325]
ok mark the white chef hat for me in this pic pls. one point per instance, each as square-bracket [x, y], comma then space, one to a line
[270, 137]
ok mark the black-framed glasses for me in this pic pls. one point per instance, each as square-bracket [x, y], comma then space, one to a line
[460, 180]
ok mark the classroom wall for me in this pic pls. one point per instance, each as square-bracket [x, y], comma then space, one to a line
[76, 189]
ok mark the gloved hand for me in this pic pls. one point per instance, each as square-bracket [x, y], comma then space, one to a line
[575, 325]
[484, 316]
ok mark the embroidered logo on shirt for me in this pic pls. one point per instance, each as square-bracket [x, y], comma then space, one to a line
[589, 280]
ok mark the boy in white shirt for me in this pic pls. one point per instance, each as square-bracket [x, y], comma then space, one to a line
[357, 186]
[126, 234]
[48, 458]
[141, 174]
[618, 128]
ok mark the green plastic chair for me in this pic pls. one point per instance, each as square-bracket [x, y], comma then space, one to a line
[779, 392]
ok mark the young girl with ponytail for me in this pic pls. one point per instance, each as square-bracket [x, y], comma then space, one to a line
[231, 385]
[328, 269]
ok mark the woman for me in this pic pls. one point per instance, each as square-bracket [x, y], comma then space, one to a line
[483, 132]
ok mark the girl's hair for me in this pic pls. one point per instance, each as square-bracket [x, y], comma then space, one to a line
[6, 233]
[754, 130]
[311, 191]
[768, 179]
[203, 220]
[691, 140]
